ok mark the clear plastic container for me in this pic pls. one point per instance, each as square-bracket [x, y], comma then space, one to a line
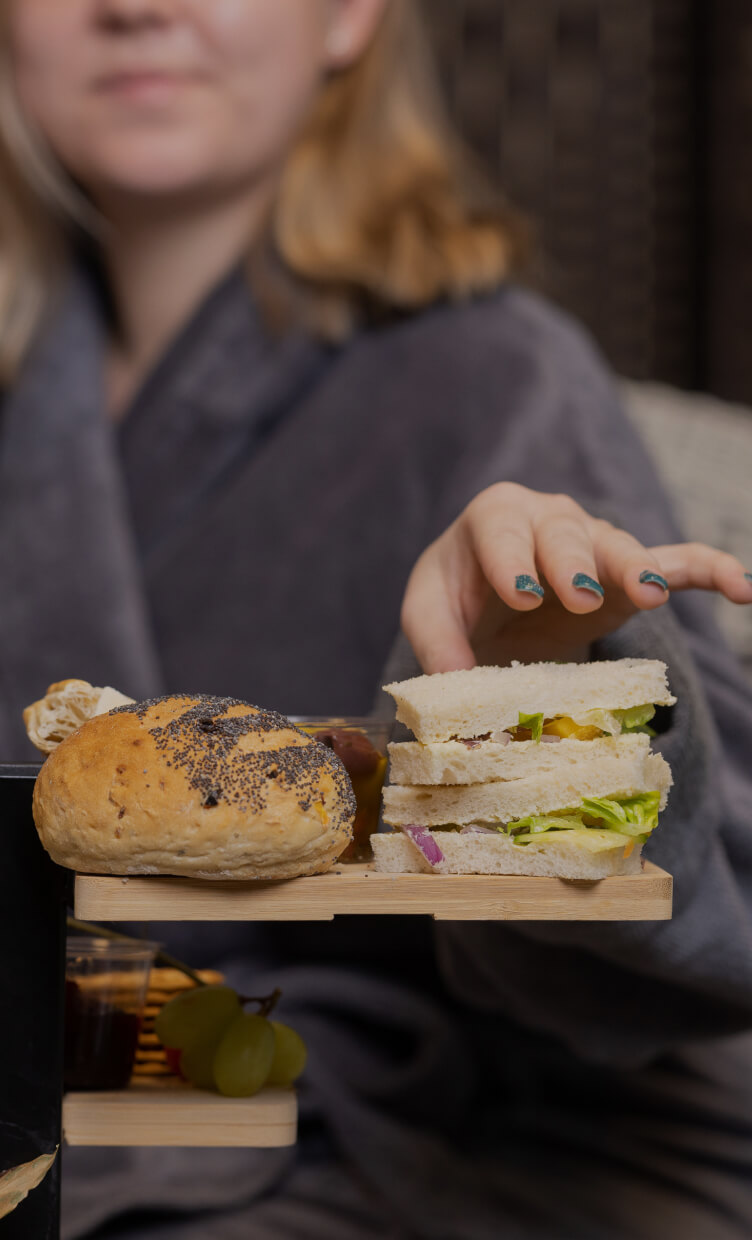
[105, 988]
[361, 743]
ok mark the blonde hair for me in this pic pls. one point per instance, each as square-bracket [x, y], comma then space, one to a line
[380, 210]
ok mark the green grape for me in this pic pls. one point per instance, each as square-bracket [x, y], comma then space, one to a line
[197, 1063]
[244, 1056]
[290, 1055]
[199, 1015]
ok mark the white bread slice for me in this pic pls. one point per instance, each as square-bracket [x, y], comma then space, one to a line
[484, 699]
[431, 806]
[451, 762]
[558, 854]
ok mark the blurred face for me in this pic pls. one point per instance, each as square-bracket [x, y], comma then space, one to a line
[164, 97]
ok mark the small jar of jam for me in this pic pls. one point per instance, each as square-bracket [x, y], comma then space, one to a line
[361, 744]
[105, 988]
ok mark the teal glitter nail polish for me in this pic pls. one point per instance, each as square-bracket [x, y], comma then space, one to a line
[528, 585]
[581, 581]
[748, 576]
[648, 578]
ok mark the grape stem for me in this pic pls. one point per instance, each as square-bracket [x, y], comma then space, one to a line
[161, 957]
[267, 1003]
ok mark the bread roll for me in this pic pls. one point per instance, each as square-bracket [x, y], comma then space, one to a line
[201, 786]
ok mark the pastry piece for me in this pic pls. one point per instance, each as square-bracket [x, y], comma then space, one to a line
[64, 707]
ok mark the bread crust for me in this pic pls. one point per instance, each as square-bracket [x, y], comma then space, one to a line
[208, 787]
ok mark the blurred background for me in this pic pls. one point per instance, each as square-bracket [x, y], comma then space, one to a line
[624, 128]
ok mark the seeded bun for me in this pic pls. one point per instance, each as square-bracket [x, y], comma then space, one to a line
[199, 786]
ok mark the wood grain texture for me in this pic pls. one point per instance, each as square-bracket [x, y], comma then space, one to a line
[153, 1112]
[355, 888]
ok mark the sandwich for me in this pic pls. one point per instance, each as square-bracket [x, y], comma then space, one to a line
[200, 786]
[539, 769]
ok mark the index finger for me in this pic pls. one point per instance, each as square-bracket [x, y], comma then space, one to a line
[432, 616]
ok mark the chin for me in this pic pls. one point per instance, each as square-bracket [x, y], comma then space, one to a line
[157, 170]
[166, 185]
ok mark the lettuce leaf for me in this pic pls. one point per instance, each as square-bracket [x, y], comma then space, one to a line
[612, 722]
[633, 816]
[590, 840]
[635, 719]
[535, 824]
[533, 722]
[604, 719]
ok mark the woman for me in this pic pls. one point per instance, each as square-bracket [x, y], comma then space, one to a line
[260, 357]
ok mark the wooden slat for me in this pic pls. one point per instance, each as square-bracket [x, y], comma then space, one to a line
[360, 889]
[154, 1112]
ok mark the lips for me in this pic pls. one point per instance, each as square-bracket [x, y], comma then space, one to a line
[143, 83]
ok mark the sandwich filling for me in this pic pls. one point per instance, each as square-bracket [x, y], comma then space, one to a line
[588, 727]
[632, 817]
[598, 823]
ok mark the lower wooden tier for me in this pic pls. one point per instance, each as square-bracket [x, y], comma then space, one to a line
[354, 888]
[156, 1113]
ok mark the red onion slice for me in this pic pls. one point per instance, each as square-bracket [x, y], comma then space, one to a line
[471, 744]
[425, 843]
[551, 739]
[501, 738]
[473, 828]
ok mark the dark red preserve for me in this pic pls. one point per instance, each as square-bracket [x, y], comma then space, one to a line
[100, 1042]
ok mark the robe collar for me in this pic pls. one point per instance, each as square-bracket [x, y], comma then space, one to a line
[82, 503]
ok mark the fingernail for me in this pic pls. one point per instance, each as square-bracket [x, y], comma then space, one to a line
[648, 578]
[581, 581]
[528, 585]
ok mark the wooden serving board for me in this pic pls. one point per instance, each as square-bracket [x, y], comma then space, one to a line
[357, 888]
[154, 1112]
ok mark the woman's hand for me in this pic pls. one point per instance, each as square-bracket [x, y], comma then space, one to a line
[522, 575]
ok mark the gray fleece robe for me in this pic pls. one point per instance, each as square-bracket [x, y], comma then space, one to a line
[249, 530]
